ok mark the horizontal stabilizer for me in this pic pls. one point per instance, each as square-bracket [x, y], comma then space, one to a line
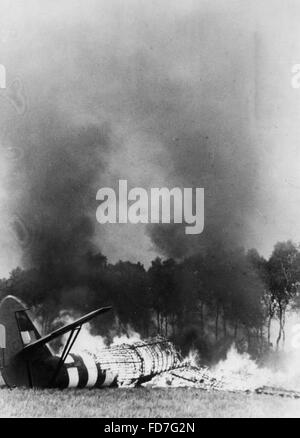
[61, 331]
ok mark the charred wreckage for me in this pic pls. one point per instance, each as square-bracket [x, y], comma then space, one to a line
[26, 360]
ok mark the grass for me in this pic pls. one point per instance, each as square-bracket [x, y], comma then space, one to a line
[142, 402]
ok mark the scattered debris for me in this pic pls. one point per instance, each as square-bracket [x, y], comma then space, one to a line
[279, 392]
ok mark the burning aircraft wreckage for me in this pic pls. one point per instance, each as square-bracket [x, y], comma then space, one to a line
[26, 360]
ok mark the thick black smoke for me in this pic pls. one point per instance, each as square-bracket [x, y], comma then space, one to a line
[60, 192]
[161, 97]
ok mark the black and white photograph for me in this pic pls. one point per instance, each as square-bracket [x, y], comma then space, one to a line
[149, 211]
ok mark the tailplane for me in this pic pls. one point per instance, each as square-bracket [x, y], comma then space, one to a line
[16, 332]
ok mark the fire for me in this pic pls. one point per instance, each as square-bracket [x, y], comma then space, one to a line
[129, 338]
[86, 341]
[238, 372]
[156, 363]
[127, 357]
[138, 362]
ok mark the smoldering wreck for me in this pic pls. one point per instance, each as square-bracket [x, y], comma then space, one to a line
[27, 360]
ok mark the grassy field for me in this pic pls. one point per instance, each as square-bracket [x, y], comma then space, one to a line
[142, 402]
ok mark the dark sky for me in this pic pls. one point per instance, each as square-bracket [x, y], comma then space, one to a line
[161, 93]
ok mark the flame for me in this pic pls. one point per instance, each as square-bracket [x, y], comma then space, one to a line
[86, 341]
[131, 337]
[238, 372]
[162, 367]
[192, 359]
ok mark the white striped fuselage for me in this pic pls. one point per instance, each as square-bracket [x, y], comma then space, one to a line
[84, 372]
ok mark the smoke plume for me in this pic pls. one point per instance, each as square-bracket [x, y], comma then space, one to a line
[155, 95]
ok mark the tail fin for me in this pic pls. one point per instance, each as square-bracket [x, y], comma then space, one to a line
[16, 331]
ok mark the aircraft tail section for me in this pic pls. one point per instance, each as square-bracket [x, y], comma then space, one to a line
[16, 331]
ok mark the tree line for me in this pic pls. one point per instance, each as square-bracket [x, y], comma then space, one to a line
[204, 302]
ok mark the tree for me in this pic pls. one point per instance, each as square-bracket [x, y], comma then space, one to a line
[283, 277]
